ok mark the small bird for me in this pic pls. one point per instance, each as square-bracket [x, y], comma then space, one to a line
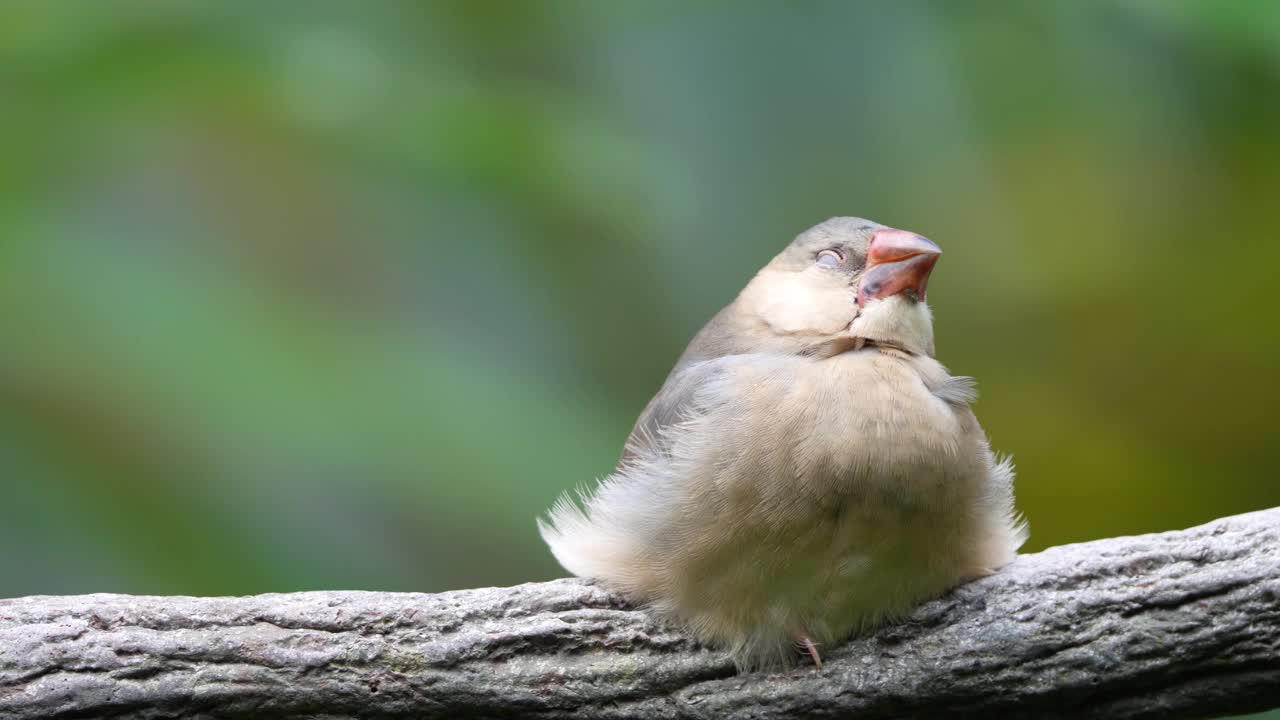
[808, 471]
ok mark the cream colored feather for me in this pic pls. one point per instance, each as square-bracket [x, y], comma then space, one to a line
[808, 470]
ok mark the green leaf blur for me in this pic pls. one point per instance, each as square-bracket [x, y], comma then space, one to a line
[342, 295]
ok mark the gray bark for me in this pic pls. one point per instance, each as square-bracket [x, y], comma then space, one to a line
[1180, 624]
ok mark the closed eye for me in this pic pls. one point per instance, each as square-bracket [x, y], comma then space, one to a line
[831, 258]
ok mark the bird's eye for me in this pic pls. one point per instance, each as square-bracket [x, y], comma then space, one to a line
[830, 258]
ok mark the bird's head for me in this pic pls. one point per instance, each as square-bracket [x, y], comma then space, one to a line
[844, 282]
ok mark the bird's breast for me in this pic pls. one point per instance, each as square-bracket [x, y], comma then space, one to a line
[834, 491]
[796, 432]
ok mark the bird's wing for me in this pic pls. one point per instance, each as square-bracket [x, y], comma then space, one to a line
[678, 399]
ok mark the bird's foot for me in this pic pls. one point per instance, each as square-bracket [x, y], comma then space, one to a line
[807, 645]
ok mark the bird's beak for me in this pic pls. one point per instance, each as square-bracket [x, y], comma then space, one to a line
[897, 262]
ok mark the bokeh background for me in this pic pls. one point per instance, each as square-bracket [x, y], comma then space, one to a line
[342, 295]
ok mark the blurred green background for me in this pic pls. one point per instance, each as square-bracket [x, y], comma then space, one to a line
[342, 295]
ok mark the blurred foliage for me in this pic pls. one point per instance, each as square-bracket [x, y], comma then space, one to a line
[342, 295]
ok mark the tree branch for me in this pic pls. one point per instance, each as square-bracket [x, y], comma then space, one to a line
[1180, 624]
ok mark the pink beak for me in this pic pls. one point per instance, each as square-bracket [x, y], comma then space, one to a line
[897, 261]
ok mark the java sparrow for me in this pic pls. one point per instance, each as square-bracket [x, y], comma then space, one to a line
[808, 470]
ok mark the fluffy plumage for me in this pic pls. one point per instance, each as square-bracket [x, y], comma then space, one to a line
[808, 470]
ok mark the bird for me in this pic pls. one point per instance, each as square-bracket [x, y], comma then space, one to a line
[808, 471]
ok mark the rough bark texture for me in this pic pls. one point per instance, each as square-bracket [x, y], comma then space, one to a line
[1180, 624]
